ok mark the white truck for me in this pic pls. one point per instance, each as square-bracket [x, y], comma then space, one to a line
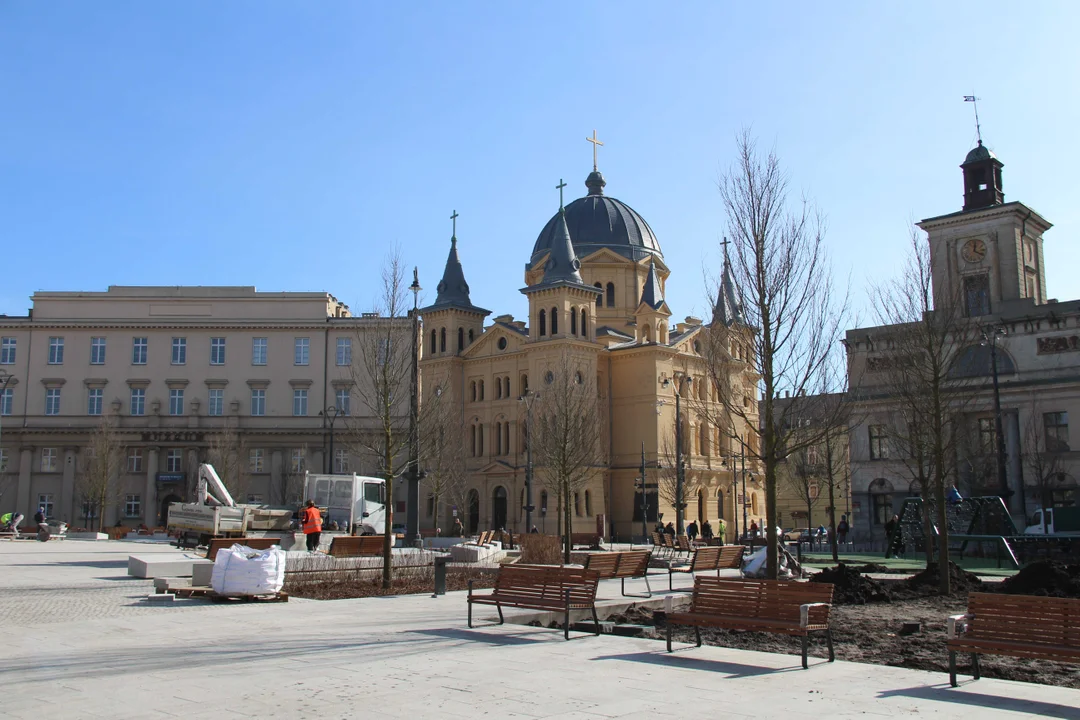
[215, 514]
[1061, 521]
[354, 503]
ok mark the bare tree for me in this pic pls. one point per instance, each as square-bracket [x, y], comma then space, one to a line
[292, 478]
[780, 264]
[383, 384]
[803, 474]
[1043, 458]
[97, 485]
[227, 451]
[444, 458]
[567, 437]
[917, 369]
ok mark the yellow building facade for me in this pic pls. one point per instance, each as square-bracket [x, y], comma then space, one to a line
[595, 282]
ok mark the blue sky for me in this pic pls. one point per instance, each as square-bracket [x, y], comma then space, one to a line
[287, 145]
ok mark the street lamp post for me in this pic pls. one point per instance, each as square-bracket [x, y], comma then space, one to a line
[989, 337]
[680, 466]
[528, 399]
[742, 448]
[331, 414]
[5, 379]
[412, 513]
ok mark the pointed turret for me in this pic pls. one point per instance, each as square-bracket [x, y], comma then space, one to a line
[729, 309]
[652, 312]
[562, 265]
[651, 294]
[453, 291]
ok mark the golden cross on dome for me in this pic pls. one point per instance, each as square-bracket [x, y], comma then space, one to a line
[595, 144]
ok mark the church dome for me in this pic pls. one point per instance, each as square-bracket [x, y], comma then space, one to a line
[597, 221]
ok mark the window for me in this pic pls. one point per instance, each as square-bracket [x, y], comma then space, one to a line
[174, 461]
[176, 401]
[481, 388]
[3, 460]
[611, 294]
[138, 351]
[588, 504]
[554, 321]
[301, 350]
[344, 351]
[584, 322]
[48, 459]
[299, 402]
[258, 402]
[341, 398]
[987, 436]
[56, 351]
[1057, 431]
[297, 461]
[573, 322]
[577, 504]
[132, 506]
[254, 499]
[7, 351]
[430, 505]
[45, 502]
[52, 401]
[256, 460]
[216, 402]
[7, 401]
[882, 508]
[135, 460]
[258, 351]
[383, 354]
[460, 339]
[97, 351]
[341, 462]
[217, 351]
[179, 351]
[442, 339]
[138, 401]
[93, 401]
[879, 443]
[543, 323]
[599, 295]
[977, 295]
[434, 342]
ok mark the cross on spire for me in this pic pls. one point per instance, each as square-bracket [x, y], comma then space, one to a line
[454, 217]
[595, 144]
[724, 243]
[560, 186]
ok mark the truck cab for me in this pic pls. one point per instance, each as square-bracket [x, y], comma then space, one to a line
[1059, 521]
[356, 503]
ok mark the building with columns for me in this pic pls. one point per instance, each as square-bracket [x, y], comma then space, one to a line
[173, 368]
[595, 280]
[988, 257]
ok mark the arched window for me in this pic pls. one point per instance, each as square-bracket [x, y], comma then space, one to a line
[573, 322]
[506, 438]
[480, 441]
[703, 442]
[588, 504]
[506, 381]
[460, 339]
[577, 504]
[599, 295]
[584, 332]
[611, 294]
[498, 389]
[543, 323]
[442, 339]
[473, 386]
[554, 321]
[646, 334]
[524, 384]
[481, 390]
[472, 445]
[470, 336]
[720, 505]
[498, 438]
[434, 342]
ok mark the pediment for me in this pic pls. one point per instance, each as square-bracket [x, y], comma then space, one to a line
[606, 255]
[496, 467]
[488, 343]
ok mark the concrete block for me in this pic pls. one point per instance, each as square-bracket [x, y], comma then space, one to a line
[161, 598]
[200, 574]
[152, 566]
[87, 536]
[475, 553]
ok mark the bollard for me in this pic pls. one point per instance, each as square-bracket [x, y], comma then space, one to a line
[440, 575]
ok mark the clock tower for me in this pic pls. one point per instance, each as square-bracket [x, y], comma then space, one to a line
[990, 253]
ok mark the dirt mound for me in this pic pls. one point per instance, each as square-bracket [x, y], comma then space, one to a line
[878, 568]
[850, 587]
[927, 581]
[1045, 577]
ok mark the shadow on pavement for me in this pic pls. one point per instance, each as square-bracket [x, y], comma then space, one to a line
[963, 696]
[477, 635]
[697, 663]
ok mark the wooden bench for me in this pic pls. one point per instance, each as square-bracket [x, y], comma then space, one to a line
[591, 540]
[706, 559]
[622, 565]
[1025, 626]
[356, 546]
[484, 538]
[786, 608]
[218, 544]
[542, 587]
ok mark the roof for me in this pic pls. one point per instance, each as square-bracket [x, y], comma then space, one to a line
[453, 291]
[651, 294]
[728, 309]
[979, 153]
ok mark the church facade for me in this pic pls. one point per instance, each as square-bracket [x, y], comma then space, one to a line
[595, 282]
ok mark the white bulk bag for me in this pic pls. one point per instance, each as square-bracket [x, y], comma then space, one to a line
[240, 570]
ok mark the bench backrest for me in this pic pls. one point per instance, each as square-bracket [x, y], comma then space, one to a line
[684, 543]
[547, 583]
[218, 544]
[356, 545]
[669, 540]
[1024, 619]
[765, 599]
[705, 558]
[731, 557]
[589, 539]
[657, 540]
[631, 563]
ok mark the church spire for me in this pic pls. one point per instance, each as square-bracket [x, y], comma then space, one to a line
[562, 264]
[651, 294]
[729, 309]
[452, 290]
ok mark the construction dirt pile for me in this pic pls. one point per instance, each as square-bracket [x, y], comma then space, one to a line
[1046, 577]
[928, 581]
[850, 587]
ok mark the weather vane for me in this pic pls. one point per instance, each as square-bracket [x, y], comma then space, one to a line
[975, 101]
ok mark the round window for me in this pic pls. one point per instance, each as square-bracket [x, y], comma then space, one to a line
[502, 343]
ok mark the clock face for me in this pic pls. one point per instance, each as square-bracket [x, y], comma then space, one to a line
[974, 250]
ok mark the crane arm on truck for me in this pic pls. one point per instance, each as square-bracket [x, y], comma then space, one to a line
[211, 489]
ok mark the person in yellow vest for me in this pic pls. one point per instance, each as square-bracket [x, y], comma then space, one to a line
[311, 522]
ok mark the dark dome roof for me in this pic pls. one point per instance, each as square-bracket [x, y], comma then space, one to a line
[979, 152]
[598, 221]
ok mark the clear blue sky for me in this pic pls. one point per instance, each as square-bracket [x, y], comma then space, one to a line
[287, 145]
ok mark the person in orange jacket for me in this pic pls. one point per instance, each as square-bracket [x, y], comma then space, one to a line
[311, 522]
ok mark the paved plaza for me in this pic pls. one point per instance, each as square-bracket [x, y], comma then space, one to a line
[81, 642]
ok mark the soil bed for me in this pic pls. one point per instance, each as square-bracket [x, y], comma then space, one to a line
[404, 582]
[1046, 577]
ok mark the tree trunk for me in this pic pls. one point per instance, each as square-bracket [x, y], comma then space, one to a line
[832, 499]
[568, 542]
[388, 532]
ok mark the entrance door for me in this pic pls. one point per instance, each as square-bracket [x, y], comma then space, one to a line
[474, 512]
[498, 509]
[165, 508]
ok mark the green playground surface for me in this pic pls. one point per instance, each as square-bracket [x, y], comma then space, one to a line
[910, 563]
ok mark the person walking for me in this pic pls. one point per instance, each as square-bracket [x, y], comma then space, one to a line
[669, 529]
[459, 528]
[892, 527]
[43, 532]
[691, 530]
[842, 530]
[721, 530]
[706, 532]
[311, 522]
[753, 528]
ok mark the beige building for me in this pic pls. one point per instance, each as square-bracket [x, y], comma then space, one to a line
[595, 283]
[989, 255]
[172, 367]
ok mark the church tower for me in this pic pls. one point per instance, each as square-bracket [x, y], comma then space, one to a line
[652, 311]
[452, 323]
[989, 255]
